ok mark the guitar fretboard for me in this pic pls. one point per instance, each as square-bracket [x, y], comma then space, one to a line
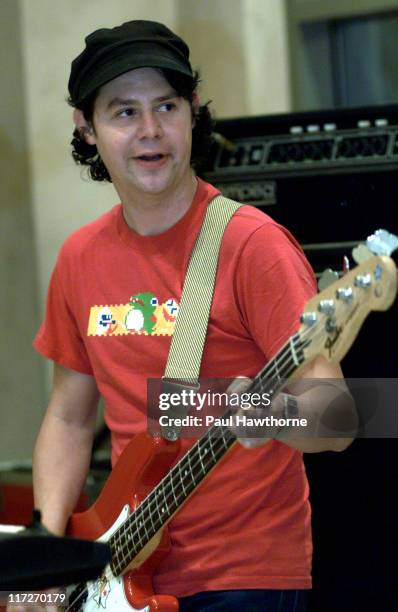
[173, 490]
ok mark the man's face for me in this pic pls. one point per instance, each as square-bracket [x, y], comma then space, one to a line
[143, 132]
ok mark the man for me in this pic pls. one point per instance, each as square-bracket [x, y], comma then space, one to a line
[244, 542]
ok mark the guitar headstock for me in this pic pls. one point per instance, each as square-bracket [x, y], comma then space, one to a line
[333, 318]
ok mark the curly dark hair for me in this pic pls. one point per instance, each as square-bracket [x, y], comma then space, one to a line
[87, 155]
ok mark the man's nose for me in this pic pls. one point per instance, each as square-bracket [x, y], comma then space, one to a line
[150, 126]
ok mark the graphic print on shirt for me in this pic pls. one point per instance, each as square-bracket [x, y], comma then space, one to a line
[141, 315]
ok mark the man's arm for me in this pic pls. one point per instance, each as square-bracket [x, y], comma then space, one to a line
[327, 406]
[62, 452]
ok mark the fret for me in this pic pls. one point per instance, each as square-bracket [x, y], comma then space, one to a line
[200, 458]
[119, 552]
[286, 360]
[262, 378]
[276, 368]
[215, 458]
[185, 471]
[293, 352]
[165, 508]
[142, 523]
[116, 568]
[261, 384]
[171, 478]
[125, 545]
[224, 440]
[150, 500]
[113, 546]
[136, 531]
[220, 448]
[299, 346]
[119, 548]
[157, 493]
[128, 548]
[188, 456]
[181, 477]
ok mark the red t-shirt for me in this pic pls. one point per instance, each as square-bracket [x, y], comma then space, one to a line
[112, 303]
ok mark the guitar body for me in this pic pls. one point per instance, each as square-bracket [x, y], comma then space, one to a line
[140, 467]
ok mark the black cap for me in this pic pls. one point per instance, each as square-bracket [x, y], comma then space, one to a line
[112, 52]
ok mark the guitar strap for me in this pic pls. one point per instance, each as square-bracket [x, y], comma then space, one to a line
[186, 349]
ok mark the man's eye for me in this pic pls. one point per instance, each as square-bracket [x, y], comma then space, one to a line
[125, 112]
[166, 107]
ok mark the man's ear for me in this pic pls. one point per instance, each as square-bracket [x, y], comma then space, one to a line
[84, 127]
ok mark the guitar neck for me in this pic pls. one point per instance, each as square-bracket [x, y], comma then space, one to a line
[190, 471]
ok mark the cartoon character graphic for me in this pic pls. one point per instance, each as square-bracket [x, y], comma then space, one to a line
[166, 315]
[141, 316]
[106, 324]
[170, 310]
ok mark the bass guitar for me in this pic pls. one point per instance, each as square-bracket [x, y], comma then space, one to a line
[142, 493]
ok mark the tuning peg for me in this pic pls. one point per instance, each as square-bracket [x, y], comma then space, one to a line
[382, 242]
[309, 318]
[327, 278]
[361, 253]
[363, 281]
[327, 307]
[346, 264]
[345, 294]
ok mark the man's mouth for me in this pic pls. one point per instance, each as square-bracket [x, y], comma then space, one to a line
[149, 158]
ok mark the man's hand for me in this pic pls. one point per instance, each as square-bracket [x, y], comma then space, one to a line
[320, 415]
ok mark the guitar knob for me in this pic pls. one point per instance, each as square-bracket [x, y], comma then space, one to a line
[309, 318]
[327, 307]
[344, 293]
[363, 281]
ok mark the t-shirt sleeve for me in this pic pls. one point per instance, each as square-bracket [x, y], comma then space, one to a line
[274, 283]
[59, 338]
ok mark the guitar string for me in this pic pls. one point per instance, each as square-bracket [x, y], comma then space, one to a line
[163, 494]
[107, 574]
[255, 383]
[297, 336]
[133, 524]
[281, 353]
[284, 352]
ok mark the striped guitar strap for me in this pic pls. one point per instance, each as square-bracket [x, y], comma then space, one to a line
[186, 349]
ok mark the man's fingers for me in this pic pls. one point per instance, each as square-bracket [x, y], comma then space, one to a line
[239, 385]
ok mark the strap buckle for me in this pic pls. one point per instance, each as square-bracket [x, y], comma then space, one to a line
[172, 431]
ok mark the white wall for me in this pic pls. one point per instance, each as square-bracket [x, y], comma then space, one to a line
[239, 46]
[21, 380]
[53, 35]
[266, 54]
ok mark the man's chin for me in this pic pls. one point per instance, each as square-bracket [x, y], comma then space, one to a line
[152, 187]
